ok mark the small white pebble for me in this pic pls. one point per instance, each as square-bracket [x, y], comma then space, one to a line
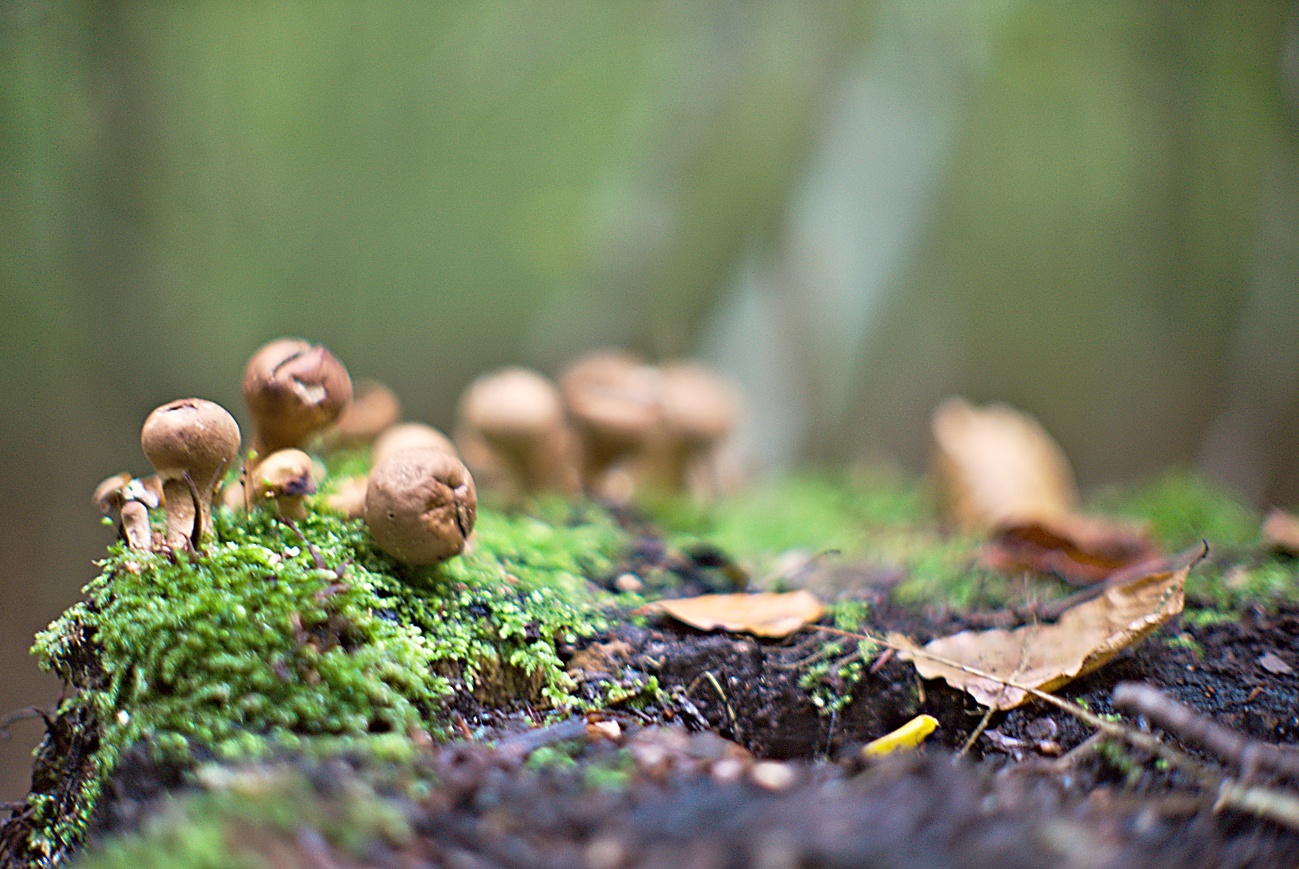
[772, 776]
[727, 770]
[628, 582]
[123, 717]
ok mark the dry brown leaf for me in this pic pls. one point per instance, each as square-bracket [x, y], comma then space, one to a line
[1079, 549]
[994, 465]
[1047, 656]
[763, 615]
[1281, 531]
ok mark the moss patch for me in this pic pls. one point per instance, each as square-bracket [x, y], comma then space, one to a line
[271, 636]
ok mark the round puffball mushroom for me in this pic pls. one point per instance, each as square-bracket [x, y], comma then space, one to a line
[189, 442]
[420, 505]
[408, 435]
[285, 476]
[612, 400]
[512, 421]
[293, 389]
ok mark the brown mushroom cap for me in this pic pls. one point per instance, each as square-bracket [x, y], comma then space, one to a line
[512, 407]
[512, 429]
[613, 402]
[194, 437]
[420, 505]
[293, 389]
[697, 404]
[108, 495]
[408, 435]
[286, 476]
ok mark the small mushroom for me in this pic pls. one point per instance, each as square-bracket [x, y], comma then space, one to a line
[420, 505]
[512, 427]
[285, 476]
[293, 389]
[612, 400]
[127, 501]
[698, 410]
[373, 409]
[189, 442]
[407, 435]
[348, 496]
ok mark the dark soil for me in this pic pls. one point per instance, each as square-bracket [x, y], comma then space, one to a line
[686, 782]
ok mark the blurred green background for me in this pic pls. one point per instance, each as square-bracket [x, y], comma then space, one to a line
[1088, 209]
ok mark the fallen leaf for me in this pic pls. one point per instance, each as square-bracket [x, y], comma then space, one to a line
[907, 736]
[994, 465]
[1047, 656]
[763, 615]
[1078, 549]
[1281, 531]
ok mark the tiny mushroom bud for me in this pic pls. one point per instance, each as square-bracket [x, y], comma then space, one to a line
[407, 435]
[613, 402]
[420, 505]
[127, 501]
[515, 418]
[293, 389]
[286, 477]
[698, 410]
[373, 409]
[189, 442]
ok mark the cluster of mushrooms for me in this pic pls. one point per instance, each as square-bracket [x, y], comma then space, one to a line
[612, 427]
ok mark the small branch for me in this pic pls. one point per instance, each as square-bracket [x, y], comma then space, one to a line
[1248, 755]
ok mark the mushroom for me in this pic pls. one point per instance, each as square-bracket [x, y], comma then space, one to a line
[348, 496]
[373, 409]
[293, 389]
[410, 434]
[285, 476]
[698, 410]
[612, 400]
[127, 501]
[420, 505]
[512, 428]
[189, 442]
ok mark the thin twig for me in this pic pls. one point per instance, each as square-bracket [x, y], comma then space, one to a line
[1248, 755]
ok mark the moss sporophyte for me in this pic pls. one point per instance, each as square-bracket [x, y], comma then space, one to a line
[272, 637]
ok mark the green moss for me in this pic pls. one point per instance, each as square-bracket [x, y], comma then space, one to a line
[808, 512]
[251, 643]
[1183, 510]
[252, 816]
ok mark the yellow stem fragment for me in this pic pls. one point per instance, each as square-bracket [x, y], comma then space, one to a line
[906, 737]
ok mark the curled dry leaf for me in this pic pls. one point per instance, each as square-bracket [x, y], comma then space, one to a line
[994, 465]
[1047, 656]
[1281, 531]
[763, 615]
[1078, 549]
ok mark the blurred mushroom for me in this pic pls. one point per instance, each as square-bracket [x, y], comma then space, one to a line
[285, 476]
[420, 505]
[189, 442]
[612, 400]
[373, 409]
[698, 410]
[348, 497]
[127, 501]
[293, 389]
[407, 435]
[511, 429]
[995, 465]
